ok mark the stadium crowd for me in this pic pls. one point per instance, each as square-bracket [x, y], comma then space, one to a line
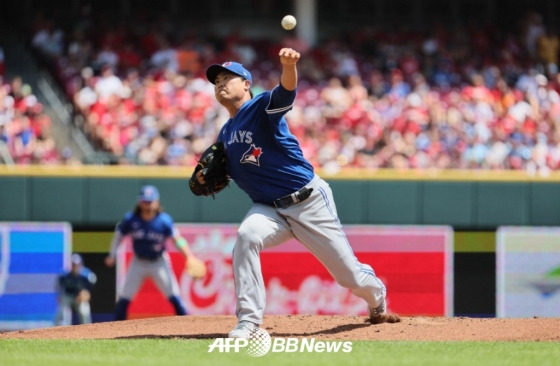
[470, 96]
[25, 130]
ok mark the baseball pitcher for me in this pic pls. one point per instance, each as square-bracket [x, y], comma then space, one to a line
[289, 200]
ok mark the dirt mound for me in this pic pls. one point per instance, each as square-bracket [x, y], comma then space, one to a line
[312, 326]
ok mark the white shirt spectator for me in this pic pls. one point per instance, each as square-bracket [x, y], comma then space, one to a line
[6, 107]
[520, 111]
[108, 84]
[86, 97]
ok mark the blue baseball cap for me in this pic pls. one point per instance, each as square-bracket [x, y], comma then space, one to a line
[230, 66]
[76, 259]
[148, 194]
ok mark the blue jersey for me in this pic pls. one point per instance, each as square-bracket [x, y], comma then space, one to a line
[148, 237]
[71, 284]
[264, 158]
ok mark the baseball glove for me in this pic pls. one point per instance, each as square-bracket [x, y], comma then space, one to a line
[213, 164]
[196, 268]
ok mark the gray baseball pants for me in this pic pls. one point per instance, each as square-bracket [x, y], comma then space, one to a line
[315, 224]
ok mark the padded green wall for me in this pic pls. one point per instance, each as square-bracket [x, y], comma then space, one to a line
[99, 202]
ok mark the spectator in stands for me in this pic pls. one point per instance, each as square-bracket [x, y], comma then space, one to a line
[377, 86]
[129, 58]
[6, 105]
[87, 96]
[335, 100]
[24, 140]
[107, 57]
[108, 84]
[399, 88]
[49, 40]
[548, 46]
[533, 28]
[165, 58]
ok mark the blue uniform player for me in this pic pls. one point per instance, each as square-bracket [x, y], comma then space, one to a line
[289, 199]
[74, 292]
[149, 228]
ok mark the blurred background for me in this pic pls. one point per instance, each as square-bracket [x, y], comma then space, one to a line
[418, 112]
[122, 82]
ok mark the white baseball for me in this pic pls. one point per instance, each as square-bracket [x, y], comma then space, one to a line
[289, 22]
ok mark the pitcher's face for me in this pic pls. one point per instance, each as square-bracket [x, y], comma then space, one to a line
[230, 87]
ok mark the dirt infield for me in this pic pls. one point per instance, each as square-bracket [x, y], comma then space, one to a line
[312, 326]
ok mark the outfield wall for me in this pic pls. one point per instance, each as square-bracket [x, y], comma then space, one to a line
[97, 197]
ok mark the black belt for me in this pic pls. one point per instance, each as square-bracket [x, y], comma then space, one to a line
[293, 198]
[146, 258]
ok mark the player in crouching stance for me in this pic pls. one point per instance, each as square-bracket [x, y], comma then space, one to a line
[289, 199]
[74, 291]
[149, 228]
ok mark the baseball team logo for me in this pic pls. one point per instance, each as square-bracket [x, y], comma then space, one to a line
[252, 156]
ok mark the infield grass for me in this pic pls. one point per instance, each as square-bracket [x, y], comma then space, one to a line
[163, 352]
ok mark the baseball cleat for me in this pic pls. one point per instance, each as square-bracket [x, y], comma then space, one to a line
[379, 315]
[243, 329]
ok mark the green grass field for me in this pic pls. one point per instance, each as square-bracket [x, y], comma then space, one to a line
[163, 352]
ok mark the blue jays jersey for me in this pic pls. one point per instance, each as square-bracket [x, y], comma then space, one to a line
[148, 237]
[264, 158]
[71, 284]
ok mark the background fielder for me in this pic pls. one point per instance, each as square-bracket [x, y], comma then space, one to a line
[149, 228]
[74, 292]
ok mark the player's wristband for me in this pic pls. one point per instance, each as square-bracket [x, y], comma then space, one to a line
[181, 243]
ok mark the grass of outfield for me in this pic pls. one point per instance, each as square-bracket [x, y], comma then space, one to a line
[163, 352]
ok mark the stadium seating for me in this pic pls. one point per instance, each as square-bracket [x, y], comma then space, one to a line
[443, 98]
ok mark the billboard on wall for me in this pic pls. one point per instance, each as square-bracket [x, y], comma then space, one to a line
[528, 272]
[415, 263]
[32, 255]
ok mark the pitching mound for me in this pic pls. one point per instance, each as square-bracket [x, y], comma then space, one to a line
[311, 326]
